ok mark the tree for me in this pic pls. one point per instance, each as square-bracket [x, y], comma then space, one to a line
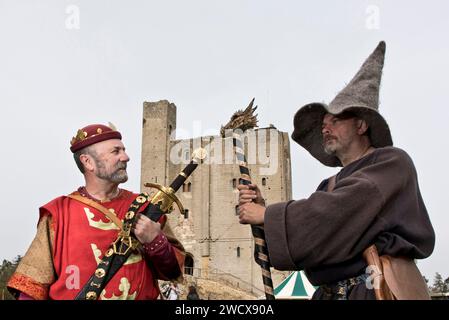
[7, 268]
[440, 285]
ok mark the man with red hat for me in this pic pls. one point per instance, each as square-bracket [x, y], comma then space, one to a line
[372, 204]
[75, 231]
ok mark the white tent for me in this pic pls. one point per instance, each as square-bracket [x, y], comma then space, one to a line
[295, 286]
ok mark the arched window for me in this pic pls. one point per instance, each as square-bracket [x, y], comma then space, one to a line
[188, 264]
[170, 128]
[186, 213]
[234, 183]
[238, 252]
[236, 210]
[184, 187]
[264, 181]
[189, 187]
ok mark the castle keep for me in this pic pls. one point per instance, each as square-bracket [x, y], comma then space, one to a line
[218, 247]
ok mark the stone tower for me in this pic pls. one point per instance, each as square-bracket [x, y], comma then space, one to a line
[218, 246]
[159, 121]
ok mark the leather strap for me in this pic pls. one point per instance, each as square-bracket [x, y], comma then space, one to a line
[99, 207]
[381, 289]
[404, 278]
[116, 255]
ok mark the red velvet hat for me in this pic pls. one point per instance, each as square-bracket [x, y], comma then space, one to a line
[92, 134]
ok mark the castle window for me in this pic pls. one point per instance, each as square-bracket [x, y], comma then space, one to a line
[187, 155]
[238, 252]
[234, 183]
[188, 264]
[186, 214]
[264, 181]
[236, 210]
[170, 128]
[187, 187]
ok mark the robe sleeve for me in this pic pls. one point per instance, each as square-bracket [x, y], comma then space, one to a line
[166, 255]
[176, 245]
[162, 256]
[332, 227]
[35, 272]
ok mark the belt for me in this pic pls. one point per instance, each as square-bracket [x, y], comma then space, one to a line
[341, 289]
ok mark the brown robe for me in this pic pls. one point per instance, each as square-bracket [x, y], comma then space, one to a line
[376, 200]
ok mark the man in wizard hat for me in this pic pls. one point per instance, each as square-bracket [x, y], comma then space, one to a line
[373, 200]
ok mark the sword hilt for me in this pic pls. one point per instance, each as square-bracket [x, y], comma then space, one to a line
[164, 198]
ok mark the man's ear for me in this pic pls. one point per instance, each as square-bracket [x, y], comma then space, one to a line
[362, 127]
[87, 161]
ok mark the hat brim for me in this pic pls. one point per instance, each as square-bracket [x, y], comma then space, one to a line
[95, 139]
[307, 129]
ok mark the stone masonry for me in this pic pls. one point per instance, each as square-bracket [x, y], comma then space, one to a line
[218, 247]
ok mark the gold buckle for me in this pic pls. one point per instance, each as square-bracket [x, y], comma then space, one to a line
[123, 244]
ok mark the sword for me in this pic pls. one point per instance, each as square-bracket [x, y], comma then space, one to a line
[126, 243]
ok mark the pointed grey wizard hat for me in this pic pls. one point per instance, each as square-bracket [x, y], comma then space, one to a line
[360, 96]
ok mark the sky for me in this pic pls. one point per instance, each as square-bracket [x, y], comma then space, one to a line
[66, 64]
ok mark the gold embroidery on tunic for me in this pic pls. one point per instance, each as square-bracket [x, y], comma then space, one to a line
[124, 288]
[100, 224]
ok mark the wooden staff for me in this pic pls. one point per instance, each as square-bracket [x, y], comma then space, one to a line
[260, 249]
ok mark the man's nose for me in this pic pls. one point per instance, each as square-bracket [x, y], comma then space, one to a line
[325, 129]
[124, 157]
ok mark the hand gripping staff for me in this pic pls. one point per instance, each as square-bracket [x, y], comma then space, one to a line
[243, 120]
[126, 243]
[260, 248]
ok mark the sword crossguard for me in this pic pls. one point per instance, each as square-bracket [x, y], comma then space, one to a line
[165, 198]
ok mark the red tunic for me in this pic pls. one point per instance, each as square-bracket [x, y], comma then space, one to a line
[82, 234]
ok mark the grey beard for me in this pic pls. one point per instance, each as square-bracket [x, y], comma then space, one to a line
[329, 150]
[118, 176]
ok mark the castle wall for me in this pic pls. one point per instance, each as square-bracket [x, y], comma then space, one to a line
[211, 233]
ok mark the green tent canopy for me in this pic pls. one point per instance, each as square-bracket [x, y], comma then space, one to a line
[295, 286]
